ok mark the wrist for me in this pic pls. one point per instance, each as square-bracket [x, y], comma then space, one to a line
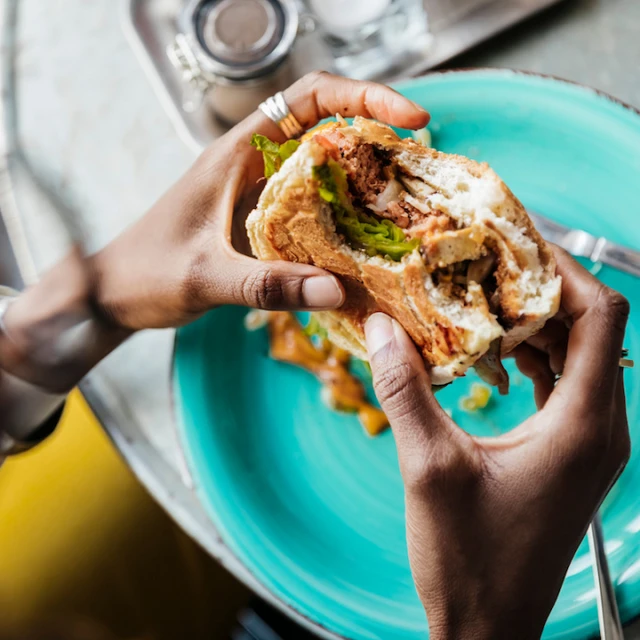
[54, 333]
[464, 625]
[458, 619]
[474, 626]
[471, 616]
[28, 414]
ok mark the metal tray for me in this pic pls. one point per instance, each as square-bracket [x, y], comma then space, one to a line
[456, 26]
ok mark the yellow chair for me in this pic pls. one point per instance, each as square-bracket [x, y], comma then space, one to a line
[80, 539]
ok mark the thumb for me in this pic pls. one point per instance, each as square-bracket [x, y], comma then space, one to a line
[279, 285]
[403, 388]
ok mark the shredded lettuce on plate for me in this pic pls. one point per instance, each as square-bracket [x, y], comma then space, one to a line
[274, 154]
[314, 328]
[363, 231]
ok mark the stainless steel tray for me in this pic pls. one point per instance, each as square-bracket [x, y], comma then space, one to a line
[456, 26]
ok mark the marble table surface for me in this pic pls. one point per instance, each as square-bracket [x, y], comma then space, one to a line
[91, 140]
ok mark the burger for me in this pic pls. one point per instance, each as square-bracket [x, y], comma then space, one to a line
[437, 241]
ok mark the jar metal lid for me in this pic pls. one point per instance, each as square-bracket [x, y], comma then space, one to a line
[240, 39]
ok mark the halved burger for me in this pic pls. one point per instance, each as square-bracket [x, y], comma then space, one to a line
[437, 241]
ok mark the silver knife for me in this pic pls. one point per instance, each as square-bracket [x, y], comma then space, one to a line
[581, 243]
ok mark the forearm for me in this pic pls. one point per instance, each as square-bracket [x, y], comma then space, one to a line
[55, 332]
[458, 624]
[467, 598]
[24, 407]
[494, 607]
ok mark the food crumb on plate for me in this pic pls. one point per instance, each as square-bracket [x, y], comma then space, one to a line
[256, 319]
[478, 398]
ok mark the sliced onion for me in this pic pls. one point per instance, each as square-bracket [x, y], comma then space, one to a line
[417, 187]
[490, 368]
[390, 194]
[419, 205]
[481, 268]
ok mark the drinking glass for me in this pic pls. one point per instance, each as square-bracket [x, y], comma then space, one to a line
[368, 37]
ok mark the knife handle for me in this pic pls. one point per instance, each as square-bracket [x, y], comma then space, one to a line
[616, 256]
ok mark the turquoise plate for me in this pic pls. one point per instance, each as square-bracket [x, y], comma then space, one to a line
[309, 503]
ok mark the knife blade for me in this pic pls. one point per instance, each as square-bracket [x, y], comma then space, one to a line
[580, 243]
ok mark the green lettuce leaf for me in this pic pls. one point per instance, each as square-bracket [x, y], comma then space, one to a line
[313, 328]
[274, 154]
[362, 230]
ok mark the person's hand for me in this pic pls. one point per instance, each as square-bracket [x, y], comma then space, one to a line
[493, 523]
[182, 258]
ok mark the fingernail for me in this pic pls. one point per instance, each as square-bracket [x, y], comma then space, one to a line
[378, 331]
[322, 292]
[419, 107]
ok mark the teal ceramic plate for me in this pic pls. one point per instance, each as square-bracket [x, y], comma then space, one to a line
[309, 503]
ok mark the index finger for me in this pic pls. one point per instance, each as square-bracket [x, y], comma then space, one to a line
[599, 315]
[320, 95]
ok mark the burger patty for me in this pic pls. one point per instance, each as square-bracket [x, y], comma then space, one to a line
[402, 213]
[365, 169]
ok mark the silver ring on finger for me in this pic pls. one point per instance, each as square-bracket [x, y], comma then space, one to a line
[277, 110]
